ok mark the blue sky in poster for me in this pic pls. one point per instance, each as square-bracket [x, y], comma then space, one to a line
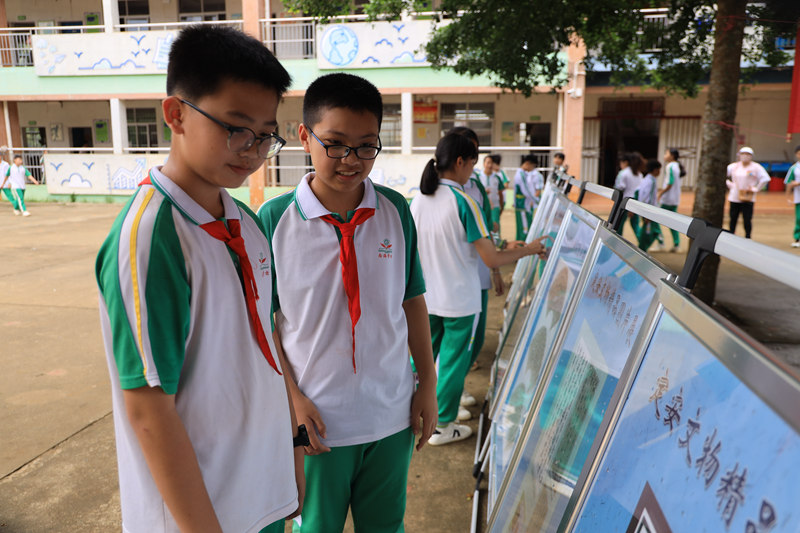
[601, 334]
[697, 491]
[554, 294]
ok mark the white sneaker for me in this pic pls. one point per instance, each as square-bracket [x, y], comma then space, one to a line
[796, 244]
[26, 213]
[17, 212]
[467, 399]
[463, 414]
[451, 433]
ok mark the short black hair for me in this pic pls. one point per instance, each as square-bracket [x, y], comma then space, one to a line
[560, 155]
[496, 158]
[652, 164]
[344, 91]
[203, 56]
[16, 156]
[797, 148]
[529, 159]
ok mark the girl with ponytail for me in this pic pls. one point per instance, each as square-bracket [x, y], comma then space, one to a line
[452, 238]
[670, 194]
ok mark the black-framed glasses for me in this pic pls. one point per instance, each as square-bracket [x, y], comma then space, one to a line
[240, 139]
[340, 151]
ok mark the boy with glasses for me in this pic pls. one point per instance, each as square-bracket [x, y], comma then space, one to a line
[349, 307]
[203, 420]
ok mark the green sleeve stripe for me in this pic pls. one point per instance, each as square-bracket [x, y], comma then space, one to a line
[270, 214]
[671, 174]
[791, 176]
[471, 216]
[168, 297]
[123, 341]
[415, 283]
[487, 205]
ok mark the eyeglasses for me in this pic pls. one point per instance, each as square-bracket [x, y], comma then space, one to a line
[340, 151]
[240, 139]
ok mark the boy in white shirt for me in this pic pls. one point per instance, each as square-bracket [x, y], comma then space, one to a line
[745, 179]
[647, 192]
[16, 175]
[350, 306]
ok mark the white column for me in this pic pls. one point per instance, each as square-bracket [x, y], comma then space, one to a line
[406, 123]
[119, 125]
[560, 120]
[110, 14]
[7, 120]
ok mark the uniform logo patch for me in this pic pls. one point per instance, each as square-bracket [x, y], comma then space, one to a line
[385, 249]
[263, 264]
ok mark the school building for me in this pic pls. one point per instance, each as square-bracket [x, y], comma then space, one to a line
[81, 83]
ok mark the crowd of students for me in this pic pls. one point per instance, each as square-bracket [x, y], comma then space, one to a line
[281, 364]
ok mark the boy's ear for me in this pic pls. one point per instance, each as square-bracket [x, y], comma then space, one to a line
[305, 137]
[173, 114]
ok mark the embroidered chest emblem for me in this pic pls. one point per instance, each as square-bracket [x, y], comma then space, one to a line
[385, 249]
[263, 264]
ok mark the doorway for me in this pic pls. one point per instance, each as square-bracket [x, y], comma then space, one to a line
[81, 137]
[538, 134]
[627, 125]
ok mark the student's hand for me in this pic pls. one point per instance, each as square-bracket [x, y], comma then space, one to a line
[425, 406]
[499, 286]
[300, 479]
[538, 246]
[306, 413]
[510, 245]
[495, 227]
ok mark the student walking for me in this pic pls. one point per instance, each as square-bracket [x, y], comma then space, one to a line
[628, 180]
[453, 237]
[350, 306]
[647, 192]
[15, 177]
[670, 194]
[745, 179]
[206, 438]
[792, 181]
[528, 185]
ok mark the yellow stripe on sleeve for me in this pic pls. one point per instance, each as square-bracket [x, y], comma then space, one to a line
[477, 213]
[135, 275]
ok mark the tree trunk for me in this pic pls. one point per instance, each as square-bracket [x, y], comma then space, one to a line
[720, 111]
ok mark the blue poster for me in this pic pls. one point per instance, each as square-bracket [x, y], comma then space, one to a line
[599, 340]
[694, 450]
[520, 302]
[552, 298]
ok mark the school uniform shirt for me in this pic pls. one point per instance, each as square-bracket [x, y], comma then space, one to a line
[744, 178]
[493, 186]
[4, 168]
[535, 182]
[794, 175]
[373, 400]
[448, 222]
[672, 176]
[174, 315]
[17, 176]
[627, 182]
[475, 190]
[647, 191]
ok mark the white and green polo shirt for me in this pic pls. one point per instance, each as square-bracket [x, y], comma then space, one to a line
[493, 185]
[672, 176]
[474, 188]
[448, 222]
[174, 316]
[312, 312]
[17, 176]
[4, 167]
[794, 175]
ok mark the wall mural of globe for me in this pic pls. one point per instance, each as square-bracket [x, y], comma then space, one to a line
[339, 45]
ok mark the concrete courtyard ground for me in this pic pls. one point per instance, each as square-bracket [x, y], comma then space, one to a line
[57, 459]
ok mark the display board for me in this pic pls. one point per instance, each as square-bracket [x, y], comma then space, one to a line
[509, 342]
[547, 313]
[617, 298]
[707, 438]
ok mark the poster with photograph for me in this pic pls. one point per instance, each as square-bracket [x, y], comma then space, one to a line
[694, 450]
[552, 298]
[521, 291]
[597, 343]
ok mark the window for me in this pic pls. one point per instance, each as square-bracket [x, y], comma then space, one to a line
[391, 126]
[142, 127]
[134, 12]
[200, 10]
[477, 116]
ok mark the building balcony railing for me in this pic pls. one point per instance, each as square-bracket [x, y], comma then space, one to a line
[15, 43]
[162, 26]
